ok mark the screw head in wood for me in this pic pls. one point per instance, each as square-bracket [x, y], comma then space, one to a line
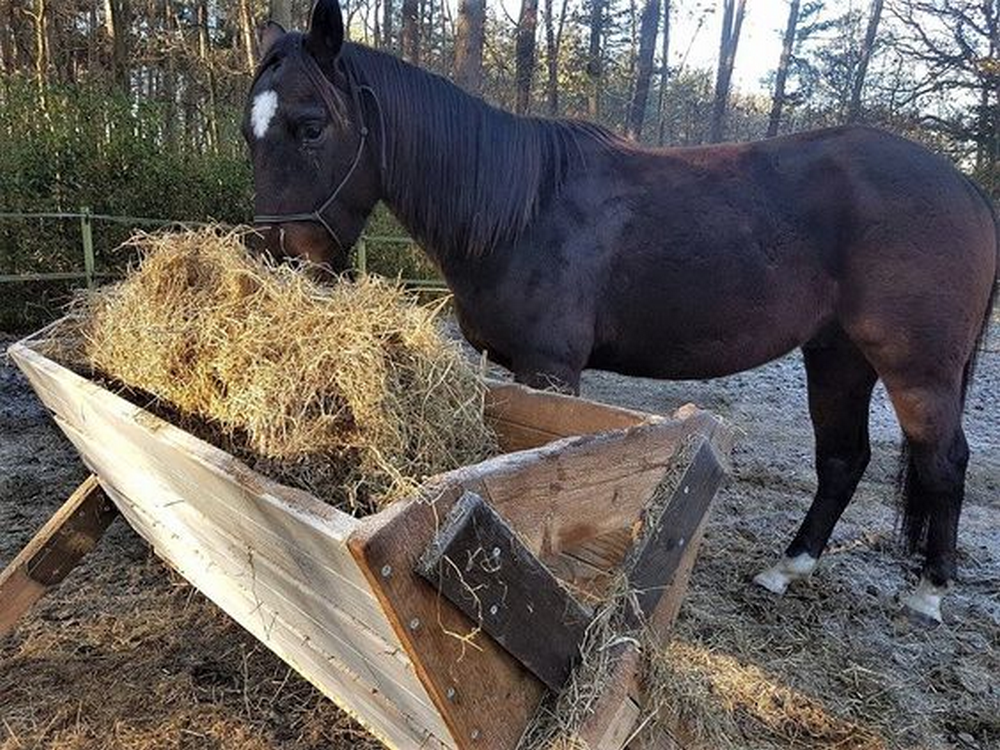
[496, 552]
[386, 571]
[414, 623]
[494, 609]
[450, 693]
[475, 734]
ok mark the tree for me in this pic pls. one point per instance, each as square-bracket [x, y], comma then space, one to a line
[732, 23]
[524, 58]
[782, 74]
[469, 45]
[595, 61]
[854, 110]
[411, 30]
[664, 72]
[648, 27]
[553, 43]
[387, 25]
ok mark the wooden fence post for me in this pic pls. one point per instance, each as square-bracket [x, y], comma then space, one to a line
[87, 231]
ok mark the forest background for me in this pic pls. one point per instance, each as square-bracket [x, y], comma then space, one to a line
[132, 107]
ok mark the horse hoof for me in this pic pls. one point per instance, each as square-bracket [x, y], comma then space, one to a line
[924, 605]
[776, 578]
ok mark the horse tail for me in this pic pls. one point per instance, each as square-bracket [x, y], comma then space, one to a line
[914, 504]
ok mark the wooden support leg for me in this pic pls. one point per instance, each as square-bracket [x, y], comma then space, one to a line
[54, 551]
[659, 569]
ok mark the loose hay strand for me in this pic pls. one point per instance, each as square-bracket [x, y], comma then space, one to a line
[348, 391]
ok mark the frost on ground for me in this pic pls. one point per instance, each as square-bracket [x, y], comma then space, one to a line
[838, 638]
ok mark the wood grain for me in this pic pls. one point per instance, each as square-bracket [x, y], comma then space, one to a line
[478, 564]
[71, 532]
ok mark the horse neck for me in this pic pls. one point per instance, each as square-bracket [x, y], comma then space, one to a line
[462, 177]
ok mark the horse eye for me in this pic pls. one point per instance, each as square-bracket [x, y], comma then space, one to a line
[311, 132]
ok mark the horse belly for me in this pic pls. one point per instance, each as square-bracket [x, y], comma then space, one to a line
[712, 328]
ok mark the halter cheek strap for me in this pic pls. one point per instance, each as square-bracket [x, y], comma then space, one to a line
[316, 216]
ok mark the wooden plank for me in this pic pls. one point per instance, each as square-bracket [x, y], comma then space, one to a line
[467, 674]
[311, 599]
[618, 708]
[478, 564]
[579, 489]
[324, 670]
[529, 418]
[273, 554]
[652, 564]
[659, 569]
[292, 528]
[54, 551]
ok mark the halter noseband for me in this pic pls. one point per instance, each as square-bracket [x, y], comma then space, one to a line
[316, 216]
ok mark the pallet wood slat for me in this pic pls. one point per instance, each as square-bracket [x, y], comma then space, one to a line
[55, 549]
[480, 566]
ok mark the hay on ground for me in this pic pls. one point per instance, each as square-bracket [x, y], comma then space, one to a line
[349, 390]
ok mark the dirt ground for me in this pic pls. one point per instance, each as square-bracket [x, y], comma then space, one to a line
[126, 655]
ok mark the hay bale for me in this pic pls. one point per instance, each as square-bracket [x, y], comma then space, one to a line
[349, 391]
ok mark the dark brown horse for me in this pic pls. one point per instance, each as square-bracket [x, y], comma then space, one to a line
[567, 247]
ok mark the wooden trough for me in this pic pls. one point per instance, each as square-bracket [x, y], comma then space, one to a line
[376, 612]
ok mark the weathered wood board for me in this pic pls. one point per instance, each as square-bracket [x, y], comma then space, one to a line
[275, 559]
[67, 536]
[338, 598]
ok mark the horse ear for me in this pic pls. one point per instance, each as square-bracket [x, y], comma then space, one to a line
[267, 36]
[326, 32]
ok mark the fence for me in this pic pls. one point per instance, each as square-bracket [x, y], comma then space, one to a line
[90, 275]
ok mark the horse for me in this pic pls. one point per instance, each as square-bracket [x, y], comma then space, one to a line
[567, 247]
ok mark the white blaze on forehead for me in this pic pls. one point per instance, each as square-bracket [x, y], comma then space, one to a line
[265, 105]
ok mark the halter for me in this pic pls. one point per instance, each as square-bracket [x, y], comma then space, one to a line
[319, 82]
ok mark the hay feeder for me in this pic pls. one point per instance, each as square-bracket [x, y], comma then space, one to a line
[438, 622]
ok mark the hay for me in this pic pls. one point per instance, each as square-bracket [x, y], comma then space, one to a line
[348, 391]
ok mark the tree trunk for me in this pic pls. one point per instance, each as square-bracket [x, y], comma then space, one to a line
[41, 50]
[732, 23]
[469, 45]
[782, 75]
[411, 30]
[119, 22]
[664, 73]
[648, 26]
[387, 25]
[524, 59]
[854, 110]
[595, 63]
[204, 52]
[281, 13]
[246, 35]
[553, 43]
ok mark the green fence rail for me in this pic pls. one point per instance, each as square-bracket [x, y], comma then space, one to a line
[90, 275]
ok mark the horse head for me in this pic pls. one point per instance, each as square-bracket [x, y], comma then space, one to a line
[315, 166]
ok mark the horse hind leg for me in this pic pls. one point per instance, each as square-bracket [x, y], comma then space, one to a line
[840, 382]
[933, 486]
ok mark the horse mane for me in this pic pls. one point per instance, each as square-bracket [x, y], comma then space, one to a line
[462, 175]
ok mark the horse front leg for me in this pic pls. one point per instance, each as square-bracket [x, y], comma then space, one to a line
[840, 382]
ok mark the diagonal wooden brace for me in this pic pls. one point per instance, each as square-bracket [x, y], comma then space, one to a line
[478, 564]
[54, 551]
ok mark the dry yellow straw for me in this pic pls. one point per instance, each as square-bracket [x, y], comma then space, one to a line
[350, 391]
